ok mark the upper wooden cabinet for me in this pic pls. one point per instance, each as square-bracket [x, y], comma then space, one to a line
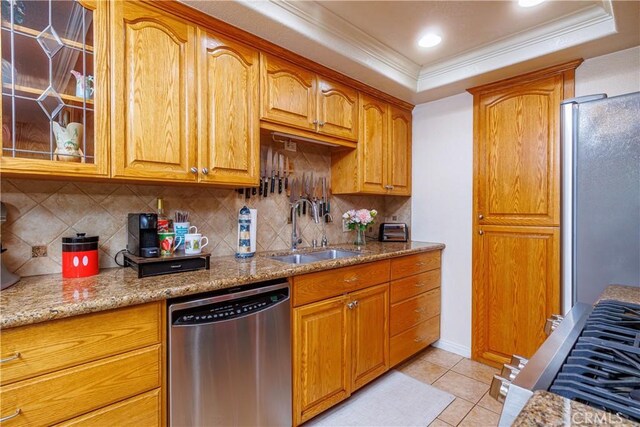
[55, 89]
[229, 123]
[295, 97]
[381, 162]
[154, 91]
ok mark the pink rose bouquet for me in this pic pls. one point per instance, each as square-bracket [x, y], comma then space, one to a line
[360, 219]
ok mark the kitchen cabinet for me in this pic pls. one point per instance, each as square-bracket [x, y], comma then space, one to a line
[229, 122]
[516, 211]
[341, 339]
[120, 353]
[414, 304]
[300, 99]
[381, 162]
[154, 63]
[55, 89]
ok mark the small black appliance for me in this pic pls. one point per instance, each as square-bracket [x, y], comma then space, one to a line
[393, 232]
[142, 230]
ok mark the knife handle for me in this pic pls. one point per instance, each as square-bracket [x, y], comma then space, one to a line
[286, 182]
[265, 191]
[247, 193]
[260, 188]
[273, 184]
[304, 209]
[279, 185]
[254, 191]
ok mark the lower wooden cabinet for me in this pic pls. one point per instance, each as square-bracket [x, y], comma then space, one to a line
[105, 368]
[339, 345]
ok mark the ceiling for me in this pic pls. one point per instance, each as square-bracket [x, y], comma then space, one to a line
[376, 41]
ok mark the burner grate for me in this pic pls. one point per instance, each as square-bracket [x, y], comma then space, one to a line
[603, 368]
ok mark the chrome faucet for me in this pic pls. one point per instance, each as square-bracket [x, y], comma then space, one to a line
[325, 242]
[295, 235]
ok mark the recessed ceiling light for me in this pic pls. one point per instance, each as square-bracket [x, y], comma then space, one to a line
[529, 3]
[430, 40]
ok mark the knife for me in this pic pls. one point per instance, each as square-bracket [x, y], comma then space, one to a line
[303, 186]
[324, 195]
[262, 169]
[274, 171]
[269, 170]
[286, 172]
[292, 191]
[280, 172]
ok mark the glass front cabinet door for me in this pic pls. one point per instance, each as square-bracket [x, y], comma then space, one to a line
[54, 87]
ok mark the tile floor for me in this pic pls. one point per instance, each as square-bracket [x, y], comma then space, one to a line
[466, 379]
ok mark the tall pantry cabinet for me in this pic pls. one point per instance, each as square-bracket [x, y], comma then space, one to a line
[516, 225]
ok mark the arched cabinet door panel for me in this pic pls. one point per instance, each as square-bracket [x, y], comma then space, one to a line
[337, 110]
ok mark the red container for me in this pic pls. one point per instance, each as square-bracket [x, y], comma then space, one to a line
[79, 256]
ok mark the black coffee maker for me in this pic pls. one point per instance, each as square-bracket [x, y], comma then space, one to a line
[142, 229]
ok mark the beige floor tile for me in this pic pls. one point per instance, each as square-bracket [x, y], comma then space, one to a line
[439, 423]
[422, 370]
[488, 402]
[477, 371]
[480, 417]
[461, 386]
[456, 411]
[440, 357]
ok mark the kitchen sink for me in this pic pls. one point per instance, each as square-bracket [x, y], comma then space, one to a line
[315, 256]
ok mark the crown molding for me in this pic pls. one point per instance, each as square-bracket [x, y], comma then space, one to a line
[578, 28]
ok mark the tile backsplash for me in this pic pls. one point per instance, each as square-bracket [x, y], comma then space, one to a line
[40, 212]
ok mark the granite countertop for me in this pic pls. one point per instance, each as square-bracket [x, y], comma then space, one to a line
[41, 298]
[548, 409]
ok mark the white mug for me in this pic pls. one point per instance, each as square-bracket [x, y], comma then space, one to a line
[193, 243]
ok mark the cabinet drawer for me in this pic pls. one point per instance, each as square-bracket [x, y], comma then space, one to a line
[413, 264]
[410, 312]
[413, 340]
[413, 285]
[61, 395]
[50, 346]
[142, 410]
[326, 284]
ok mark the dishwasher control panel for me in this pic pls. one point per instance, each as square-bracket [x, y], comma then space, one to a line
[227, 310]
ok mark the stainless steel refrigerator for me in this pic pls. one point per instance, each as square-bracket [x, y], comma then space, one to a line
[600, 195]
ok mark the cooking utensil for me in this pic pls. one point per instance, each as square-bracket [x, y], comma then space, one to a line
[269, 170]
[274, 171]
[303, 186]
[280, 172]
[263, 165]
[286, 172]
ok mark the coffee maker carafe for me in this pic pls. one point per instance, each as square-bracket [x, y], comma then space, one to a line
[142, 230]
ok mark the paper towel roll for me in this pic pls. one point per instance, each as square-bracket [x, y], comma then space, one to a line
[254, 228]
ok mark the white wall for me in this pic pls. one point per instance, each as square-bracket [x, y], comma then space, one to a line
[442, 182]
[441, 205]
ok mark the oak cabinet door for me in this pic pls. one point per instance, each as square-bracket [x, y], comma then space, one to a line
[372, 147]
[516, 289]
[288, 93]
[321, 357]
[337, 110]
[370, 332]
[154, 66]
[399, 152]
[518, 153]
[229, 112]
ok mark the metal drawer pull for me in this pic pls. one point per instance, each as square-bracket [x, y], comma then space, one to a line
[10, 358]
[350, 280]
[177, 266]
[419, 339]
[421, 263]
[8, 417]
[420, 284]
[420, 310]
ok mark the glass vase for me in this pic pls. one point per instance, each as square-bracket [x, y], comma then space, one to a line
[360, 240]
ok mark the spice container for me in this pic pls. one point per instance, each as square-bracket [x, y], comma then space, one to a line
[80, 256]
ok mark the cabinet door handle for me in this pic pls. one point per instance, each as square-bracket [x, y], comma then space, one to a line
[420, 284]
[355, 303]
[205, 171]
[480, 216]
[8, 417]
[351, 305]
[321, 124]
[351, 279]
[420, 310]
[10, 358]
[194, 170]
[481, 232]
[419, 339]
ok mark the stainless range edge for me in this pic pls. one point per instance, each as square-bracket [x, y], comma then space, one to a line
[539, 372]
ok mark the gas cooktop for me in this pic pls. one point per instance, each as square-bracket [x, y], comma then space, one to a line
[603, 368]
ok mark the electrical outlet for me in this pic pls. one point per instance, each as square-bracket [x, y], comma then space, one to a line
[394, 218]
[38, 251]
[370, 229]
[290, 146]
[345, 226]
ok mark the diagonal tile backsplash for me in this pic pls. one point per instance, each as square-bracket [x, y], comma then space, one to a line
[40, 212]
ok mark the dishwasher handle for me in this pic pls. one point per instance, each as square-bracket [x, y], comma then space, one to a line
[228, 309]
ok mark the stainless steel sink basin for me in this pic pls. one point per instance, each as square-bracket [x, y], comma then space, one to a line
[315, 256]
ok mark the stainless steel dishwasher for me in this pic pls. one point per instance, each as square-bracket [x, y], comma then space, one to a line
[230, 358]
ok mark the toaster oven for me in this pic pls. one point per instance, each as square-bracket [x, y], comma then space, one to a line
[393, 232]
